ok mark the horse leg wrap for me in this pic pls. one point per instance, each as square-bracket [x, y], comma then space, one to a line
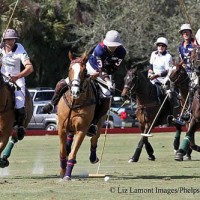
[136, 155]
[177, 140]
[9, 147]
[70, 165]
[150, 151]
[70, 138]
[185, 144]
[93, 155]
[63, 162]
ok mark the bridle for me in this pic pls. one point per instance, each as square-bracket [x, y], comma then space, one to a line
[76, 83]
[178, 79]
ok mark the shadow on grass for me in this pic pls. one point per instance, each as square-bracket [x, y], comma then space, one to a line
[155, 177]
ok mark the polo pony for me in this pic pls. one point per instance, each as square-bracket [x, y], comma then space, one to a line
[75, 112]
[149, 100]
[7, 119]
[194, 124]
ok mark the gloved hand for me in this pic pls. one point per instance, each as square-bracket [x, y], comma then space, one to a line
[109, 85]
[150, 74]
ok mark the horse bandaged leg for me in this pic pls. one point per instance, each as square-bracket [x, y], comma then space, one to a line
[70, 165]
[150, 151]
[9, 147]
[70, 138]
[93, 156]
[136, 155]
[183, 149]
[176, 142]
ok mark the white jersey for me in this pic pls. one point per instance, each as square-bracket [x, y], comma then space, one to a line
[160, 63]
[11, 62]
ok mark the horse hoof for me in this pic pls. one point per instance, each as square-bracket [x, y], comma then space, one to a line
[152, 158]
[188, 158]
[179, 157]
[96, 161]
[175, 151]
[4, 162]
[62, 173]
[67, 178]
[132, 160]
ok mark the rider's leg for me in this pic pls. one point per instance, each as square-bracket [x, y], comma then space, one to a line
[100, 111]
[20, 112]
[61, 88]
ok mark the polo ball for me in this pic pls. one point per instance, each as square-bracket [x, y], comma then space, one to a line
[106, 178]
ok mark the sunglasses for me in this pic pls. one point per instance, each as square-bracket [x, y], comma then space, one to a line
[161, 45]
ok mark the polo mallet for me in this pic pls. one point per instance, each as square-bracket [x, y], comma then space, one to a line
[184, 104]
[9, 21]
[97, 175]
[148, 133]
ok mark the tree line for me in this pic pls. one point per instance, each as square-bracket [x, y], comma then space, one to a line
[48, 29]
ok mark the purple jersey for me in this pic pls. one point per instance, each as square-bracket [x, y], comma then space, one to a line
[185, 53]
[110, 62]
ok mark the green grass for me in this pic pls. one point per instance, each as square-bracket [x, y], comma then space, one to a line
[34, 171]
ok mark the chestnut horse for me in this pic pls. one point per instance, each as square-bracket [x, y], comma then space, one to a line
[75, 113]
[148, 105]
[7, 119]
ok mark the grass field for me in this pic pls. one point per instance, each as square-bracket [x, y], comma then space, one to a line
[34, 171]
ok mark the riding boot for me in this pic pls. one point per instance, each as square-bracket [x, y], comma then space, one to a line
[100, 111]
[20, 116]
[61, 88]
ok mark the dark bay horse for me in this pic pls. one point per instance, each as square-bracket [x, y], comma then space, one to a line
[180, 80]
[194, 124]
[7, 120]
[148, 105]
[75, 113]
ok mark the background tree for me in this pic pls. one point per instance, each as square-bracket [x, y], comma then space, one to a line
[48, 29]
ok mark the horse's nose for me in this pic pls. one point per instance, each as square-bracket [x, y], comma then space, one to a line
[75, 93]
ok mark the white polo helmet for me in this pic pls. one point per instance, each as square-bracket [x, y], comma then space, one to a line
[112, 39]
[10, 34]
[185, 27]
[161, 40]
[197, 36]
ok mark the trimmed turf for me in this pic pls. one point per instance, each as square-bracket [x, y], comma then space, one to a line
[34, 171]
